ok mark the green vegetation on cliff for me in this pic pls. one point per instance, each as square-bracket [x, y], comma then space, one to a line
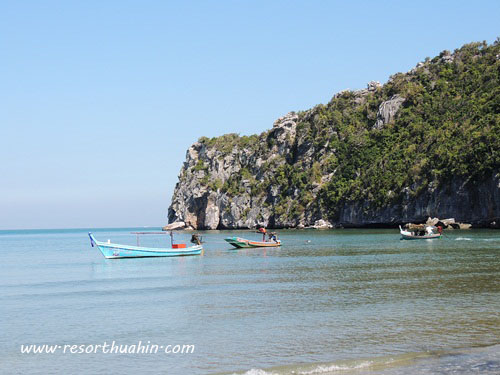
[444, 123]
[448, 126]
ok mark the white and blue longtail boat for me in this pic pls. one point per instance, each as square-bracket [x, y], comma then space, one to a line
[113, 251]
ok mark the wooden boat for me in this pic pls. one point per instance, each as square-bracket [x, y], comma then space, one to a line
[413, 235]
[113, 251]
[239, 242]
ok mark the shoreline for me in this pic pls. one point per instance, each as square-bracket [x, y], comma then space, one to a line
[368, 226]
[158, 228]
[462, 360]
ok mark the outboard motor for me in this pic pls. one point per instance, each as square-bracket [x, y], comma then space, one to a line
[196, 239]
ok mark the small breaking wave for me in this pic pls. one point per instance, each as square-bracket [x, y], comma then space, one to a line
[335, 368]
[452, 362]
[316, 370]
[257, 371]
[463, 239]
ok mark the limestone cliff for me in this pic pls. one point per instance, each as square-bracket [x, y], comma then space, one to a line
[424, 144]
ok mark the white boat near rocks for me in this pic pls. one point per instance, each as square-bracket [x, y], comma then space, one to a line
[426, 232]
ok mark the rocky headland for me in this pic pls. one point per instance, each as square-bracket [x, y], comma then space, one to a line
[425, 144]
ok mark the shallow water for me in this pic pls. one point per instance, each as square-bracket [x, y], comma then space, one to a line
[340, 301]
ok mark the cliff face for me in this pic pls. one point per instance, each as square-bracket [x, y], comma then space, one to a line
[419, 146]
[217, 184]
[476, 203]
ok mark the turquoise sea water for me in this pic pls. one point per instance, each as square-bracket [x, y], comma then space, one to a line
[327, 302]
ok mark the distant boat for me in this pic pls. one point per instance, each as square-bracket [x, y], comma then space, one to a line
[243, 242]
[425, 233]
[113, 251]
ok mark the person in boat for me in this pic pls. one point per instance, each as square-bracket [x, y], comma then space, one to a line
[440, 229]
[273, 237]
[263, 231]
[428, 231]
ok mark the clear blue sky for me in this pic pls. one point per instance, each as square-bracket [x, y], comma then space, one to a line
[99, 100]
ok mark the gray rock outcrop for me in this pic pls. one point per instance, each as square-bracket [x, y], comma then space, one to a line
[174, 226]
[387, 111]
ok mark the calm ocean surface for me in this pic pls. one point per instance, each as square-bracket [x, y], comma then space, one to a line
[347, 302]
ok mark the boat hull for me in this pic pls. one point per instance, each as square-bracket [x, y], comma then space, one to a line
[244, 243]
[427, 237]
[116, 251]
